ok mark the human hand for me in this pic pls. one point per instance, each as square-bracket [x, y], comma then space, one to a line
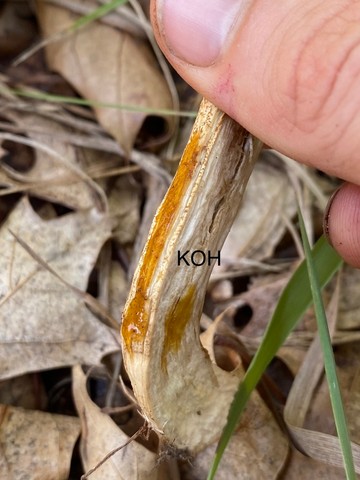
[288, 72]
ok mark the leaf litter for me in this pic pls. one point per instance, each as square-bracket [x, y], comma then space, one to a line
[36, 321]
[86, 218]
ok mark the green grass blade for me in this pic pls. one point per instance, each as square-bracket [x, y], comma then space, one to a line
[329, 360]
[95, 14]
[49, 97]
[295, 299]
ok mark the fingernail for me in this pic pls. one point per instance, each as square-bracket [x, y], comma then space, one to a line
[327, 214]
[196, 30]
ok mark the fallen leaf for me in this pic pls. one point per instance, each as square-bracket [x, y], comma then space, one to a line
[248, 456]
[55, 180]
[36, 445]
[315, 433]
[113, 284]
[347, 360]
[124, 206]
[258, 435]
[118, 290]
[109, 66]
[302, 467]
[260, 224]
[24, 391]
[42, 320]
[260, 300]
[100, 435]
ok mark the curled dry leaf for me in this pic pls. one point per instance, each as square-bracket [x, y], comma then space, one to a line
[100, 435]
[36, 445]
[53, 179]
[124, 205]
[106, 65]
[119, 288]
[259, 302]
[248, 315]
[258, 435]
[113, 285]
[42, 320]
[259, 226]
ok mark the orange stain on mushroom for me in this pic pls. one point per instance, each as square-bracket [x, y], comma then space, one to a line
[175, 324]
[135, 319]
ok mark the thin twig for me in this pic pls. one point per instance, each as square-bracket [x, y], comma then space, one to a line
[141, 431]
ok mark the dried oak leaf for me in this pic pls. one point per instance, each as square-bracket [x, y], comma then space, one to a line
[100, 435]
[43, 323]
[35, 444]
[109, 66]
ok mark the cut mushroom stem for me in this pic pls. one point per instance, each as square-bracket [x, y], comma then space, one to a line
[181, 392]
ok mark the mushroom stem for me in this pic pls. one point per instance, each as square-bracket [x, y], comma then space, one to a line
[180, 391]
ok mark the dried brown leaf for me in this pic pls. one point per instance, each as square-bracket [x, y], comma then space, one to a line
[100, 435]
[106, 65]
[124, 205]
[259, 225]
[258, 435]
[302, 467]
[307, 399]
[118, 289]
[36, 445]
[53, 179]
[50, 325]
[248, 455]
[261, 300]
[113, 284]
[123, 18]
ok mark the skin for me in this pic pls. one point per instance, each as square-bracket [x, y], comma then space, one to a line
[290, 76]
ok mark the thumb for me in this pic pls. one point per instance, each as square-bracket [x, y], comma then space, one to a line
[287, 72]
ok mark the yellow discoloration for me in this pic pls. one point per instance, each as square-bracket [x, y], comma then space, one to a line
[136, 314]
[175, 324]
